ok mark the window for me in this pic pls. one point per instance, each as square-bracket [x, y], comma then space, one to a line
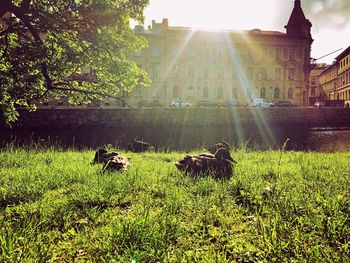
[265, 52]
[313, 81]
[292, 54]
[234, 93]
[155, 51]
[263, 93]
[278, 53]
[276, 93]
[205, 92]
[138, 92]
[190, 91]
[278, 74]
[313, 91]
[176, 92]
[220, 72]
[263, 74]
[174, 51]
[250, 55]
[190, 51]
[234, 73]
[157, 92]
[191, 72]
[220, 92]
[291, 72]
[175, 71]
[155, 70]
[221, 52]
[250, 73]
[205, 72]
[290, 93]
[206, 52]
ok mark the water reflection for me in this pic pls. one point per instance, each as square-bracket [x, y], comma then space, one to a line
[301, 138]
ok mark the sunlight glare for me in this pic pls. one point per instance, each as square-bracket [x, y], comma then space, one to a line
[219, 14]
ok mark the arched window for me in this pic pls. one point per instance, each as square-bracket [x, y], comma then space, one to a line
[276, 93]
[220, 92]
[190, 91]
[290, 93]
[176, 92]
[263, 93]
[205, 92]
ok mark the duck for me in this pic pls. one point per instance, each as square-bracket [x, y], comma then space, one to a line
[219, 145]
[139, 146]
[218, 165]
[111, 161]
[116, 163]
[102, 155]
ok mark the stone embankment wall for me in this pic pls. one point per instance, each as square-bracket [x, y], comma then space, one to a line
[168, 117]
[165, 117]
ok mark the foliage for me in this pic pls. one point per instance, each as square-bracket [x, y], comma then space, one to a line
[73, 48]
[56, 207]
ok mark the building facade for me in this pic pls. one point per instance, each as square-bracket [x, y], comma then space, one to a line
[328, 80]
[343, 88]
[194, 65]
[316, 92]
[335, 79]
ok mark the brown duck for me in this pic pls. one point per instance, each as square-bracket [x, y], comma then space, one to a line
[116, 163]
[219, 145]
[102, 155]
[111, 161]
[139, 146]
[218, 165]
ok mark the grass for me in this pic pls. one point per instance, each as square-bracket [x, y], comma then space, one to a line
[278, 207]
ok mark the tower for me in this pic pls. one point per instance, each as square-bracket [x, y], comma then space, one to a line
[298, 26]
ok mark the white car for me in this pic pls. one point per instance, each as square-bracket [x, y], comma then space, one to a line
[180, 104]
[320, 104]
[259, 102]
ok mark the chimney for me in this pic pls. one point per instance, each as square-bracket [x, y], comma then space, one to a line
[165, 22]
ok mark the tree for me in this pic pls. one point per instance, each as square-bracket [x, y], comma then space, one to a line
[45, 45]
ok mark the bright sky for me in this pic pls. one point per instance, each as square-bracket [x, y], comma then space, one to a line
[330, 31]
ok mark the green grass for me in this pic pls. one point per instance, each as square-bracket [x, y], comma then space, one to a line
[278, 207]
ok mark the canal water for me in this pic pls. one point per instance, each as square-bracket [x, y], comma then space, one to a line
[320, 139]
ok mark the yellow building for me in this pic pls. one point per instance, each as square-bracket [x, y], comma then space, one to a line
[343, 88]
[329, 81]
[193, 65]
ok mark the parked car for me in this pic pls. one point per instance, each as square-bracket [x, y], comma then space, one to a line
[207, 103]
[231, 103]
[320, 104]
[260, 102]
[180, 104]
[284, 103]
[149, 103]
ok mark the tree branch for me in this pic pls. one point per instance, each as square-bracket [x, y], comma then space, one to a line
[20, 13]
[4, 7]
[6, 47]
[26, 4]
[57, 85]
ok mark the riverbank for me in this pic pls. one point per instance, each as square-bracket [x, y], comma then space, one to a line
[207, 117]
[319, 139]
[279, 206]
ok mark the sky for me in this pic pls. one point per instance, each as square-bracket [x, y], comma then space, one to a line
[330, 30]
